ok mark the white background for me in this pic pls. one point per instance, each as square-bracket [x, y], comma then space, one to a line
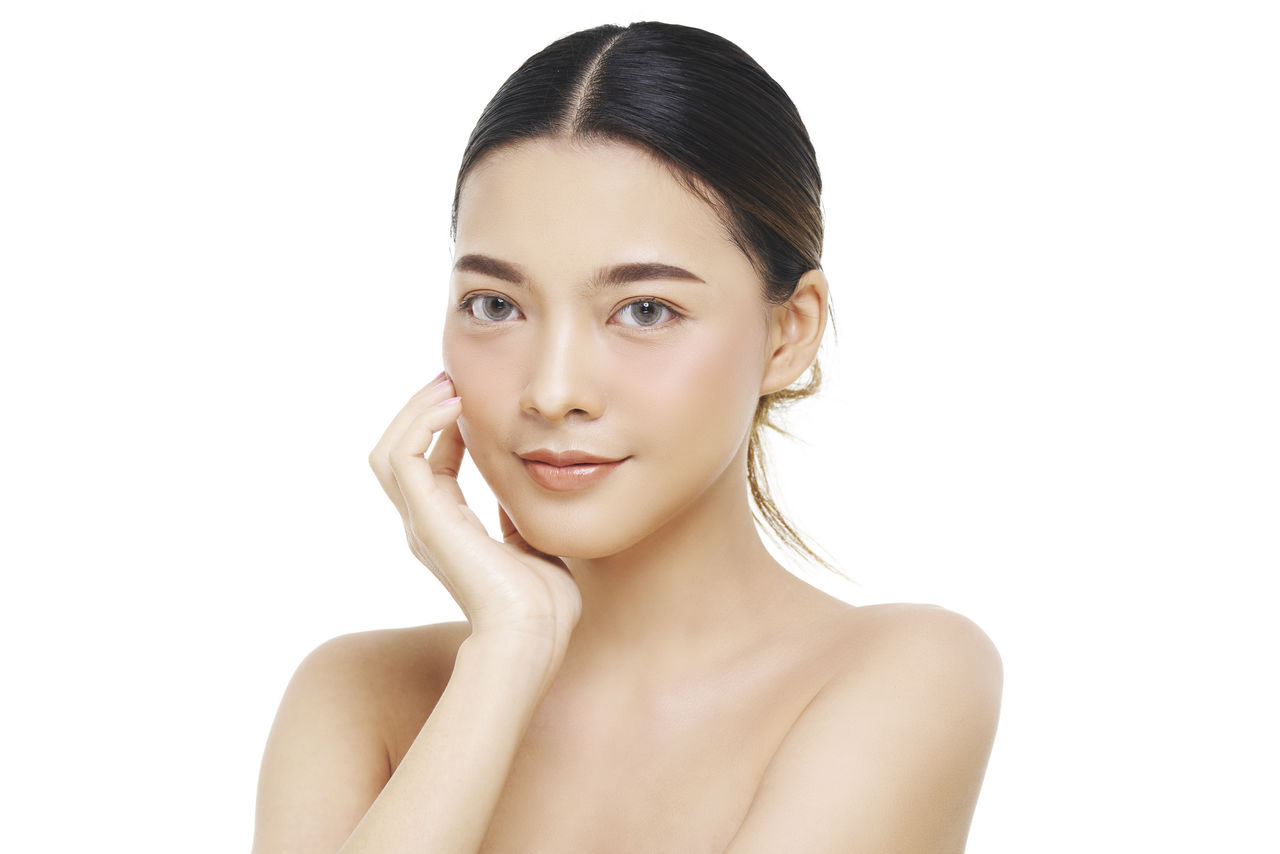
[1052, 235]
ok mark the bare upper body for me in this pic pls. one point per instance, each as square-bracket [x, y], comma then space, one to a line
[664, 684]
[637, 673]
[834, 723]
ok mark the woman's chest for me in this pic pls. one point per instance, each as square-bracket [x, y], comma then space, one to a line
[666, 772]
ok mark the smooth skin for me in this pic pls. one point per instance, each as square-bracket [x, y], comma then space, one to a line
[635, 673]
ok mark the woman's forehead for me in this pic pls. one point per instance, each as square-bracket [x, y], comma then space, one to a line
[552, 196]
[607, 176]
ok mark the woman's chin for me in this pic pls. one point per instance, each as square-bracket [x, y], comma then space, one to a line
[568, 544]
[569, 538]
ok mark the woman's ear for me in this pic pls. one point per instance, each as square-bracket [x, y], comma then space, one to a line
[795, 332]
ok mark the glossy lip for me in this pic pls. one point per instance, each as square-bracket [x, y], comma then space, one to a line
[566, 471]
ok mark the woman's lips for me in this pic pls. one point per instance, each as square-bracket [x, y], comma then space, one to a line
[568, 470]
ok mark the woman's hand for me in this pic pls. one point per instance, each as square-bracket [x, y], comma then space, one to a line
[504, 588]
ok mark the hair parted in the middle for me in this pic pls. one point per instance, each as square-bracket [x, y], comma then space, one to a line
[721, 124]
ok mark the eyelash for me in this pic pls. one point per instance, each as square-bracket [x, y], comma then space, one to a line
[465, 306]
[468, 303]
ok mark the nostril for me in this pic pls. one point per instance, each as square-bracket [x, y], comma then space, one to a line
[563, 382]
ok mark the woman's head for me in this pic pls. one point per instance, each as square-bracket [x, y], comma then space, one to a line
[698, 102]
[705, 114]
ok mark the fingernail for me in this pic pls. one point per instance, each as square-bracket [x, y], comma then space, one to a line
[441, 380]
[438, 377]
[449, 402]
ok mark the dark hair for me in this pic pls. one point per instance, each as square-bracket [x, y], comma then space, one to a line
[722, 125]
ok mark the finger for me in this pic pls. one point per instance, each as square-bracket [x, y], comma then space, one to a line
[423, 555]
[506, 526]
[513, 537]
[426, 397]
[510, 535]
[436, 381]
[413, 475]
[446, 455]
[379, 457]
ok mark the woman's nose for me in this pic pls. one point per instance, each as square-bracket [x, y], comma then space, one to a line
[563, 381]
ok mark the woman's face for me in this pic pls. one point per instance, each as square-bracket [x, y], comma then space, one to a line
[608, 341]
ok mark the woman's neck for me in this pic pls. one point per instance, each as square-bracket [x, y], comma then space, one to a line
[695, 591]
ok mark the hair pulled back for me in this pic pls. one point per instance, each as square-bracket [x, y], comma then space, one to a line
[725, 128]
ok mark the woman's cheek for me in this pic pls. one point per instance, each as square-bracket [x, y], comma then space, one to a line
[470, 367]
[454, 350]
[712, 378]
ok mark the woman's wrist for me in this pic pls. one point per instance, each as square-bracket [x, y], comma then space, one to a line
[513, 653]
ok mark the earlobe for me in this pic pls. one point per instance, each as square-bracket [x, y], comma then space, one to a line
[795, 332]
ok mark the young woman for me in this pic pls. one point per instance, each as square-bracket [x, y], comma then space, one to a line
[636, 284]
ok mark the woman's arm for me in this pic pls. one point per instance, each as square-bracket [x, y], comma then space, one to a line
[320, 774]
[889, 757]
[443, 793]
[326, 760]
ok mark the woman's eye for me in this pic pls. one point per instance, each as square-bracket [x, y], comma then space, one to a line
[644, 313]
[491, 309]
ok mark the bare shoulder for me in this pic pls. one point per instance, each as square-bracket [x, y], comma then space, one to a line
[912, 638]
[896, 741]
[391, 678]
[927, 666]
[382, 658]
[375, 677]
[333, 745]
[903, 640]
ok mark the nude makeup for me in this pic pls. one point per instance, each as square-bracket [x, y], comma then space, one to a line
[569, 470]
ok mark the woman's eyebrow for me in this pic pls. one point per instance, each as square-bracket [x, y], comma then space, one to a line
[621, 274]
[486, 266]
[618, 274]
